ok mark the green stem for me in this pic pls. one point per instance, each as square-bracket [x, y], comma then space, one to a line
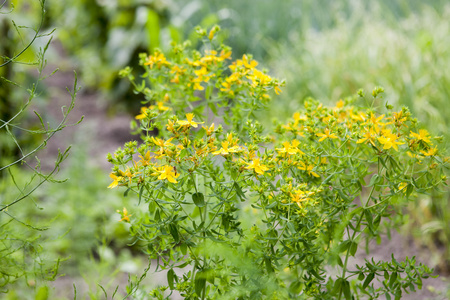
[344, 268]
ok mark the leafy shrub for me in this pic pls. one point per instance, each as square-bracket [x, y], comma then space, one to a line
[247, 213]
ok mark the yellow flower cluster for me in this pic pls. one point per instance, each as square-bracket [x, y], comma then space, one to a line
[345, 123]
[309, 147]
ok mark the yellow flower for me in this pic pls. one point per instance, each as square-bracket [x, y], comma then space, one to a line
[170, 126]
[189, 121]
[375, 122]
[166, 172]
[161, 143]
[225, 150]
[129, 174]
[340, 104]
[125, 215]
[143, 114]
[402, 187]
[160, 106]
[290, 148]
[256, 166]
[430, 152]
[299, 196]
[423, 136]
[248, 64]
[389, 140]
[116, 180]
[327, 134]
[145, 160]
[369, 136]
[277, 89]
[308, 168]
[398, 118]
[159, 59]
[209, 130]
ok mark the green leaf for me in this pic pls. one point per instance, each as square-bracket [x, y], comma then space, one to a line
[346, 288]
[373, 180]
[198, 199]
[268, 264]
[409, 189]
[295, 287]
[369, 220]
[141, 191]
[343, 246]
[171, 278]
[213, 108]
[239, 192]
[174, 232]
[42, 293]
[361, 276]
[368, 280]
[337, 285]
[183, 248]
[376, 222]
[271, 205]
[313, 272]
[353, 248]
[125, 194]
[339, 261]
[199, 283]
[392, 279]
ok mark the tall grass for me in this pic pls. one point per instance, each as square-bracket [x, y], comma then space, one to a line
[408, 59]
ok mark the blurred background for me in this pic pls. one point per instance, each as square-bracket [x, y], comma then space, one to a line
[324, 49]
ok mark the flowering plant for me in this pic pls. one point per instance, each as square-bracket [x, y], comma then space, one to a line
[249, 213]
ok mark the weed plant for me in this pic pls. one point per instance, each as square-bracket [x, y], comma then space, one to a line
[248, 213]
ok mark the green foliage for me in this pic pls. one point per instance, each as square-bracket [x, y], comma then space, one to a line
[255, 28]
[248, 213]
[405, 55]
[22, 254]
[94, 34]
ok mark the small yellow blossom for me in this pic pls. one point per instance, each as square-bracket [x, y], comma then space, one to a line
[398, 118]
[248, 64]
[209, 130]
[299, 196]
[161, 143]
[327, 134]
[157, 58]
[257, 166]
[369, 136]
[145, 160]
[308, 168]
[129, 174]
[423, 136]
[227, 149]
[116, 180]
[170, 126]
[389, 140]
[160, 106]
[290, 148]
[125, 215]
[402, 187]
[189, 121]
[375, 122]
[143, 113]
[430, 152]
[167, 172]
[340, 104]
